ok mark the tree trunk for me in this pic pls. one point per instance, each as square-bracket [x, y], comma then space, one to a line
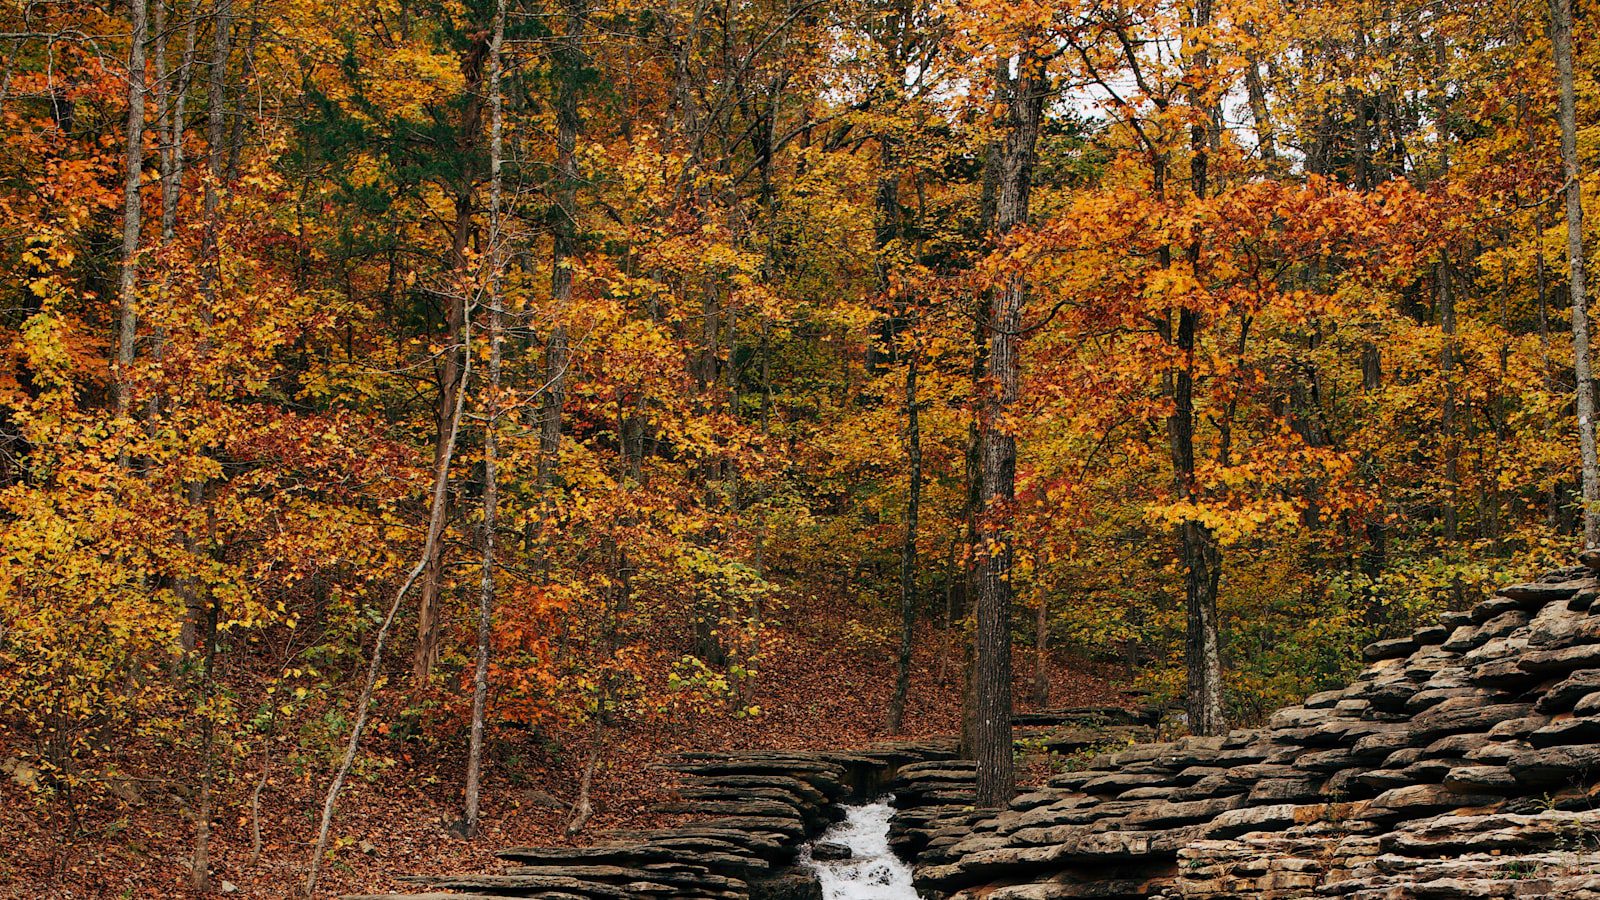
[1256, 89]
[1561, 41]
[1202, 557]
[210, 283]
[888, 231]
[582, 808]
[127, 319]
[1197, 548]
[1041, 654]
[451, 385]
[968, 747]
[491, 484]
[908, 550]
[216, 148]
[988, 200]
[942, 677]
[171, 101]
[1447, 416]
[452, 377]
[436, 516]
[1202, 649]
[1371, 367]
[996, 774]
[1547, 376]
[564, 240]
[992, 669]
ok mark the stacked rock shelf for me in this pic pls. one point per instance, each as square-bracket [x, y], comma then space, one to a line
[1460, 764]
[934, 799]
[752, 812]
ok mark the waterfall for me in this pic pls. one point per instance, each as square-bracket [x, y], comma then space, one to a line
[872, 872]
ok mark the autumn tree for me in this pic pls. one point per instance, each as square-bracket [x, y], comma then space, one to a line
[622, 353]
[1561, 26]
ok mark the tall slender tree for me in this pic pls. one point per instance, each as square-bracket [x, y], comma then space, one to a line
[1023, 90]
[202, 602]
[564, 238]
[908, 543]
[491, 473]
[1567, 116]
[1202, 556]
[128, 286]
[465, 162]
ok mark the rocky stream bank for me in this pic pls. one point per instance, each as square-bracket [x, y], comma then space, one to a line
[1462, 763]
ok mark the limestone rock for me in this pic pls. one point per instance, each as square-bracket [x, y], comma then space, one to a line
[828, 851]
[1554, 765]
[1576, 730]
[1389, 649]
[787, 886]
[1566, 693]
[1563, 659]
[1588, 706]
[1480, 780]
[1463, 762]
[1536, 594]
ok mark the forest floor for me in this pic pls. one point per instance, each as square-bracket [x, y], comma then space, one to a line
[825, 689]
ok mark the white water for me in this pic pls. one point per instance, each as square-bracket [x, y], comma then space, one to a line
[872, 873]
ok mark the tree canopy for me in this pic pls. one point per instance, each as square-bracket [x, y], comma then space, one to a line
[1204, 340]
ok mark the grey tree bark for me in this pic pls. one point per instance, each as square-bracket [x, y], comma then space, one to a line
[1561, 41]
[1024, 93]
[216, 145]
[1202, 557]
[491, 481]
[210, 282]
[436, 516]
[1041, 653]
[1256, 90]
[452, 376]
[564, 239]
[1451, 516]
[908, 551]
[172, 94]
[128, 286]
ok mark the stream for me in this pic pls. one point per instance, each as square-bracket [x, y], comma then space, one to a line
[872, 872]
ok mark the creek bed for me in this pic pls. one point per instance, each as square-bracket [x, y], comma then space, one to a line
[872, 872]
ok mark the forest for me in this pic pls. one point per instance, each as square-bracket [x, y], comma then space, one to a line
[418, 417]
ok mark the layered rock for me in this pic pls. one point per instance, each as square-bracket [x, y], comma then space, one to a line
[934, 800]
[1461, 763]
[751, 812]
